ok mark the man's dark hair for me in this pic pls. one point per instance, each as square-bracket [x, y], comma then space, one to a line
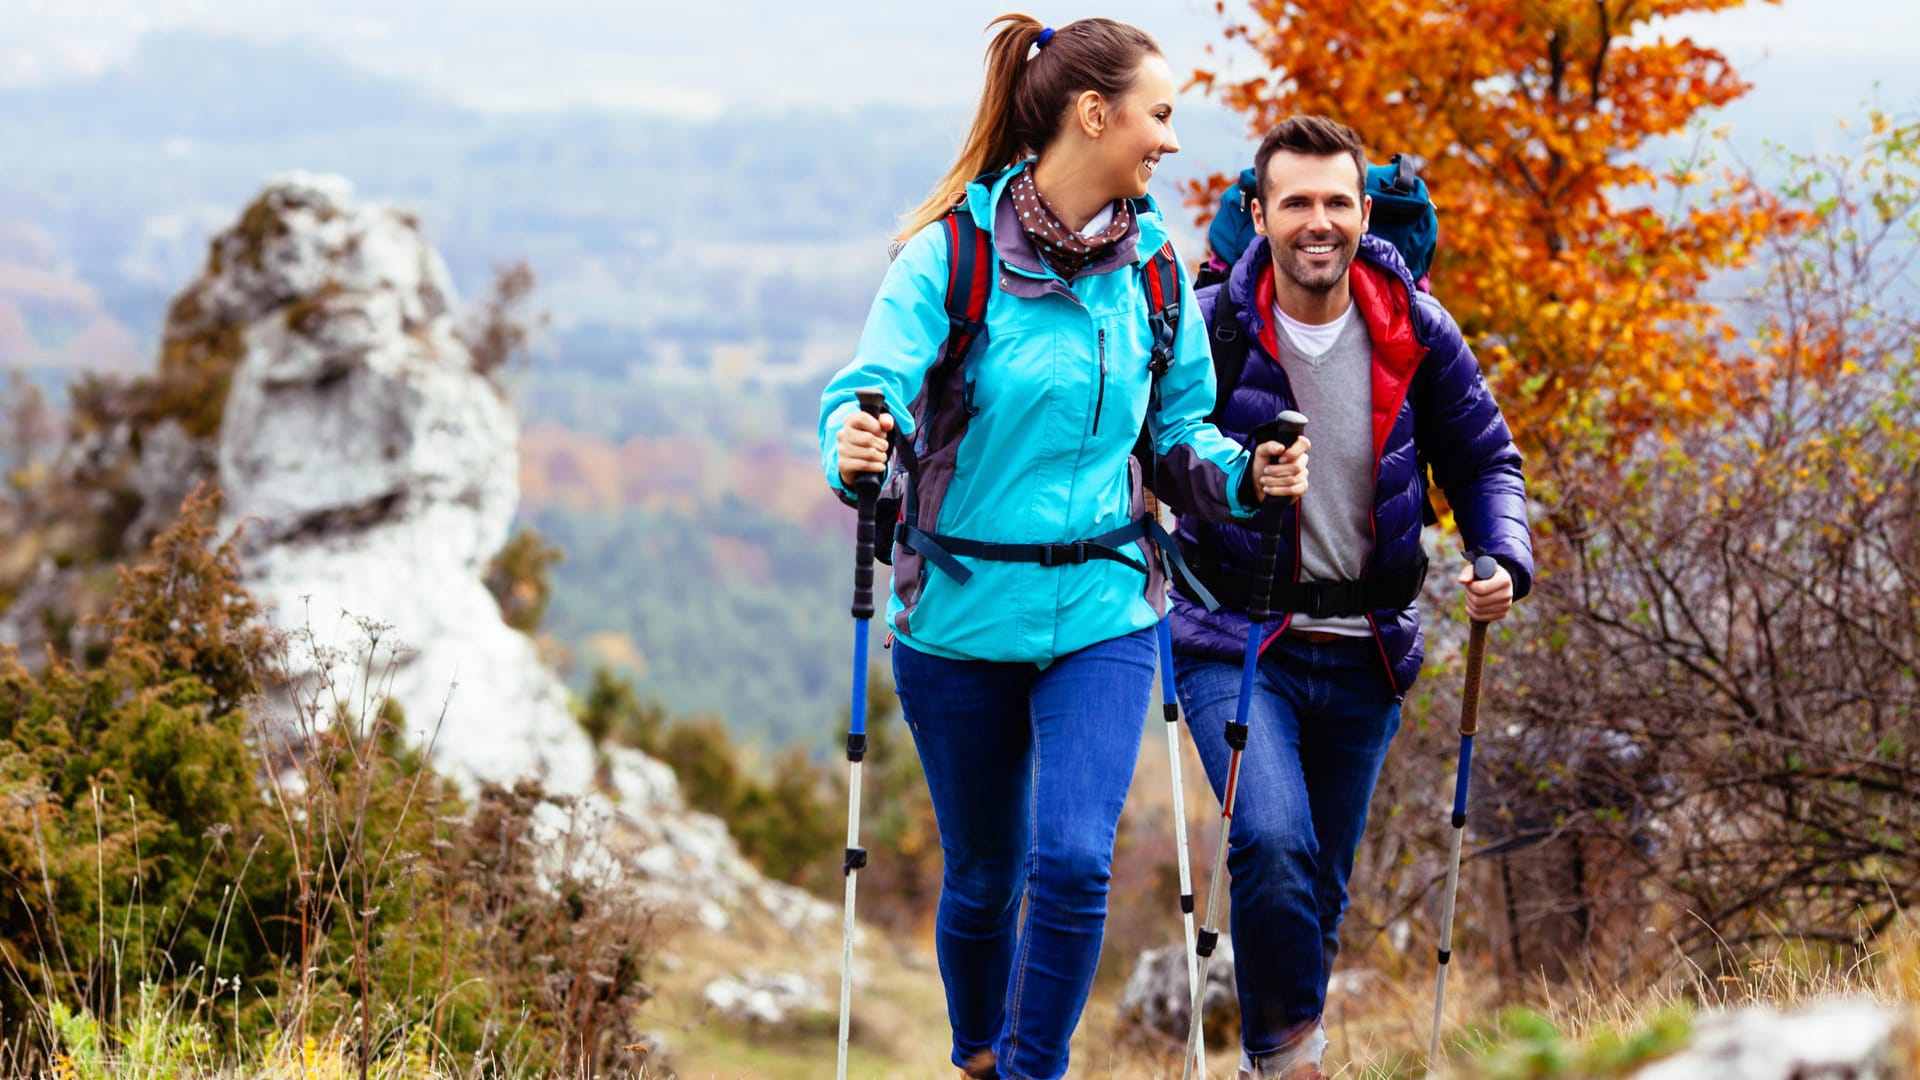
[1312, 136]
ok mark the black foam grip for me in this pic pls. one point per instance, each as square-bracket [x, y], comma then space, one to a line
[1284, 429]
[863, 552]
[1261, 609]
[866, 490]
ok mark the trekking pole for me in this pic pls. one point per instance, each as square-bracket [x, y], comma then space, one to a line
[1484, 567]
[1284, 429]
[866, 488]
[1170, 708]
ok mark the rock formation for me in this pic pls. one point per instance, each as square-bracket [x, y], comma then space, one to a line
[1844, 1039]
[1156, 1003]
[316, 371]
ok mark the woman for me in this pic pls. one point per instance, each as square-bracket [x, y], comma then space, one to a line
[1024, 593]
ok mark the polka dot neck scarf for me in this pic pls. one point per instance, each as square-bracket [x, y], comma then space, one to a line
[1065, 250]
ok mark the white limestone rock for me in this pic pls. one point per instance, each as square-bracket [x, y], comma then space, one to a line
[376, 473]
[771, 1000]
[1837, 1039]
[1156, 1002]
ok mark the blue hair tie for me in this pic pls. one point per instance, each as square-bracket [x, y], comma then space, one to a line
[1046, 34]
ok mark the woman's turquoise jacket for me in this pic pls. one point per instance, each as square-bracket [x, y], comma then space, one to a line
[1032, 439]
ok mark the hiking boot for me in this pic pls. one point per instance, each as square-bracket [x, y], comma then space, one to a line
[980, 1066]
[1308, 1071]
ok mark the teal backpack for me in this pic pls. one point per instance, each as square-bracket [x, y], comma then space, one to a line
[1403, 215]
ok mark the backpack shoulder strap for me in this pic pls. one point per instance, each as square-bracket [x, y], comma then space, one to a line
[969, 280]
[1162, 275]
[1161, 278]
[1228, 340]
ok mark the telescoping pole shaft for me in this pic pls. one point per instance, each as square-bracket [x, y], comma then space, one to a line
[867, 492]
[1170, 712]
[1284, 429]
[1484, 567]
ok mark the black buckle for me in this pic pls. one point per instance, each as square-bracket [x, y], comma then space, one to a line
[1160, 355]
[1402, 175]
[1316, 606]
[1063, 554]
[1333, 599]
[965, 328]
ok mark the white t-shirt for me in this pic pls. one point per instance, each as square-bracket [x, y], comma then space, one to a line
[1313, 340]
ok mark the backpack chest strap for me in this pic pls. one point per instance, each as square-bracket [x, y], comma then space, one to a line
[1387, 591]
[941, 551]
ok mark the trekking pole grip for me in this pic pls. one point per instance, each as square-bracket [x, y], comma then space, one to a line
[1284, 429]
[1484, 568]
[866, 489]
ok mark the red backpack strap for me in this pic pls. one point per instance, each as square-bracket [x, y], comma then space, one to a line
[1162, 278]
[1162, 275]
[969, 280]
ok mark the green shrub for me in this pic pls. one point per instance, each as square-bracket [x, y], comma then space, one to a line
[205, 880]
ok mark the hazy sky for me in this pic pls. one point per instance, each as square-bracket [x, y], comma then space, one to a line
[701, 56]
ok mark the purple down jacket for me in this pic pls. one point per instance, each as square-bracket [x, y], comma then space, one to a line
[1429, 402]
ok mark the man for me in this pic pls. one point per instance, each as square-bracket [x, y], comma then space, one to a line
[1334, 327]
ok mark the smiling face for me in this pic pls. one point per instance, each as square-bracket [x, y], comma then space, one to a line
[1313, 210]
[1138, 130]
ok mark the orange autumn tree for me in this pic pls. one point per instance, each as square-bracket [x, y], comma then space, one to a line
[1576, 268]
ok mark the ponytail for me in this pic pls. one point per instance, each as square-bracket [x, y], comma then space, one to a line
[1025, 100]
[991, 142]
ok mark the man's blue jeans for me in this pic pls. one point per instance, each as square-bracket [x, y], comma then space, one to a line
[1028, 768]
[1322, 716]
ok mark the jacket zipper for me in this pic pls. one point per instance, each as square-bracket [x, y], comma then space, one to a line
[1100, 403]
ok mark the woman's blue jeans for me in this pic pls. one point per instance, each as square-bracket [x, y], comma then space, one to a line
[1028, 768]
[1322, 716]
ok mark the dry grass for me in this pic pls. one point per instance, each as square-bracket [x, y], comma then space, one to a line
[1376, 1032]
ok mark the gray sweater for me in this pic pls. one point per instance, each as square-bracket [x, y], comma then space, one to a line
[1335, 391]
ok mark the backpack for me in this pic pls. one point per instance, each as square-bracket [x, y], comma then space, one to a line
[1403, 215]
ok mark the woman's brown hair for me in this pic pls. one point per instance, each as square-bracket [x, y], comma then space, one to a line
[1026, 100]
